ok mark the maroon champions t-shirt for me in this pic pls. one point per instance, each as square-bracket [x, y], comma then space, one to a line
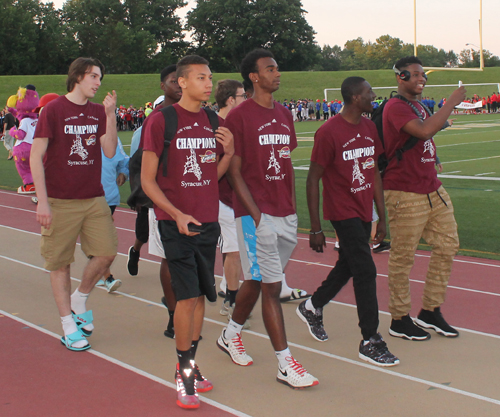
[225, 192]
[348, 153]
[191, 183]
[73, 159]
[416, 172]
[264, 139]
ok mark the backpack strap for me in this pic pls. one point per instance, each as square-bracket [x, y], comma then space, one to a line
[412, 140]
[170, 116]
[213, 118]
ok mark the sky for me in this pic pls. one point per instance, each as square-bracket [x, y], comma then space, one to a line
[446, 24]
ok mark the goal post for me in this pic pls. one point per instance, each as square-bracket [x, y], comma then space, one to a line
[435, 91]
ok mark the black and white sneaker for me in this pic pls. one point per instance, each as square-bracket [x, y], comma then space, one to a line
[133, 261]
[381, 247]
[406, 329]
[434, 320]
[314, 321]
[376, 352]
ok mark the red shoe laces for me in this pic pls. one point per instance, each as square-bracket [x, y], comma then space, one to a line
[296, 366]
[239, 344]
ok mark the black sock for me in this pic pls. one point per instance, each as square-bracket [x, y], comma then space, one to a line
[170, 325]
[184, 358]
[231, 296]
[194, 346]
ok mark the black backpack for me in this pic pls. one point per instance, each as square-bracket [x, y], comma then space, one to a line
[383, 162]
[138, 197]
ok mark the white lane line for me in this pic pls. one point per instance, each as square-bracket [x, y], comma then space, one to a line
[218, 276]
[17, 208]
[308, 262]
[296, 345]
[128, 367]
[473, 159]
[468, 177]
[484, 173]
[411, 280]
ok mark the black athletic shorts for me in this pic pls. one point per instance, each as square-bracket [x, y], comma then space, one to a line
[142, 225]
[191, 259]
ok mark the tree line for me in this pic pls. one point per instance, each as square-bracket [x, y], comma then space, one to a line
[143, 36]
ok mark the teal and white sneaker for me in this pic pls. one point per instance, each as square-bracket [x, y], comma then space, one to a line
[112, 284]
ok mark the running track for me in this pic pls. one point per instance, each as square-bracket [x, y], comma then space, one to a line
[113, 380]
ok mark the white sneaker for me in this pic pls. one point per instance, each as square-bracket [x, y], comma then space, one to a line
[112, 284]
[224, 310]
[234, 348]
[295, 376]
[227, 310]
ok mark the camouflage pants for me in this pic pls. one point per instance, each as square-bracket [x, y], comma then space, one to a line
[411, 217]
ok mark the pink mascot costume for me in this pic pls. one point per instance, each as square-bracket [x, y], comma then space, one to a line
[24, 102]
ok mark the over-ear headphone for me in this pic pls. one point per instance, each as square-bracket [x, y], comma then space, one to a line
[404, 75]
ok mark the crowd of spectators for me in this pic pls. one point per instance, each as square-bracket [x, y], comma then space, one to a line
[303, 110]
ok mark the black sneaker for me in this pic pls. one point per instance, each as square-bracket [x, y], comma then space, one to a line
[406, 329]
[133, 261]
[434, 320]
[381, 247]
[376, 352]
[314, 321]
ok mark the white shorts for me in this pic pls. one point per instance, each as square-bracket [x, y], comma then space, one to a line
[155, 247]
[228, 241]
[374, 214]
[265, 250]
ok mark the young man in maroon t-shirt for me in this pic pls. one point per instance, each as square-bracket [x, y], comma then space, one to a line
[186, 203]
[261, 175]
[344, 157]
[66, 167]
[417, 204]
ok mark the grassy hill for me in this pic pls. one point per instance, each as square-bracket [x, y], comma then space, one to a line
[136, 89]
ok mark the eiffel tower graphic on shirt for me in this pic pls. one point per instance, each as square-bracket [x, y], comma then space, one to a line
[79, 149]
[356, 173]
[428, 147]
[273, 162]
[191, 166]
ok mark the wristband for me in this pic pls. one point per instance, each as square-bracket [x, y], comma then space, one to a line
[315, 233]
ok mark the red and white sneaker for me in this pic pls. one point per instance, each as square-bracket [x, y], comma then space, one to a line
[187, 397]
[26, 189]
[202, 383]
[234, 348]
[295, 376]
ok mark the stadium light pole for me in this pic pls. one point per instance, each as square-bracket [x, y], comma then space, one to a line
[415, 27]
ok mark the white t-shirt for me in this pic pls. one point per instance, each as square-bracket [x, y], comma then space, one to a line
[27, 125]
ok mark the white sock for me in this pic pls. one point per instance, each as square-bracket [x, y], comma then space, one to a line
[286, 291]
[78, 301]
[223, 283]
[309, 305]
[78, 305]
[284, 357]
[233, 329]
[69, 327]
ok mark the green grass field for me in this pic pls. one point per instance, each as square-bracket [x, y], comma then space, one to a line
[137, 89]
[470, 153]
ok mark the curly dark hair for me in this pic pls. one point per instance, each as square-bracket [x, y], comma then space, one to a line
[249, 63]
